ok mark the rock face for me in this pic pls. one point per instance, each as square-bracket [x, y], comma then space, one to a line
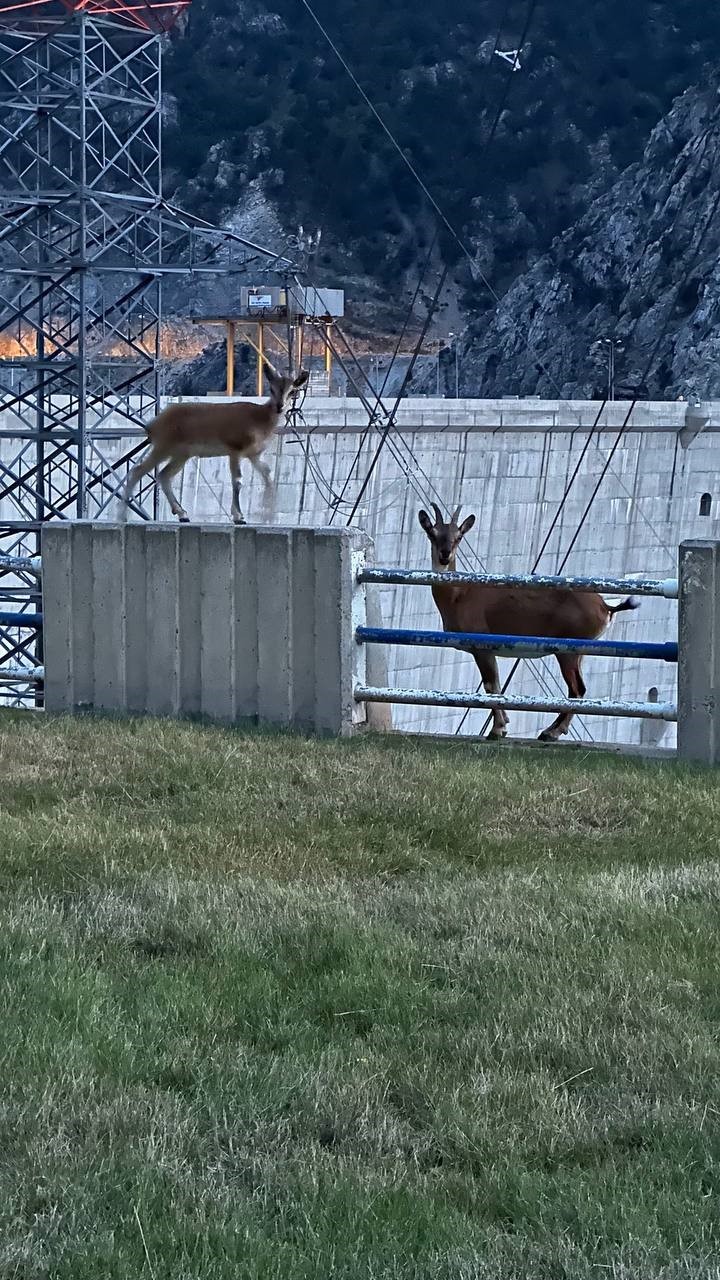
[267, 131]
[584, 228]
[640, 266]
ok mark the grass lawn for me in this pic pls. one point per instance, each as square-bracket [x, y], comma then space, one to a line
[369, 1009]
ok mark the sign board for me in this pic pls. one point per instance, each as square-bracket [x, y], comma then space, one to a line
[259, 301]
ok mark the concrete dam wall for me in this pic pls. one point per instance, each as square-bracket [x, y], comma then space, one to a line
[509, 462]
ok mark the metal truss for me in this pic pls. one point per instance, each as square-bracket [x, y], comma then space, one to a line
[87, 243]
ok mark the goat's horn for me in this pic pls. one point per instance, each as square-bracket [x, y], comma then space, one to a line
[456, 513]
[438, 513]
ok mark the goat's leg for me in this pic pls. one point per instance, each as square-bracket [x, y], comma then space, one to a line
[488, 668]
[135, 475]
[570, 666]
[172, 469]
[262, 467]
[235, 480]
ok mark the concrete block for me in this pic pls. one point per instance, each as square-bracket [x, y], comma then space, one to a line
[56, 551]
[190, 635]
[161, 586]
[245, 645]
[217, 630]
[698, 731]
[108, 616]
[379, 714]
[336, 660]
[136, 614]
[274, 626]
[80, 601]
[304, 629]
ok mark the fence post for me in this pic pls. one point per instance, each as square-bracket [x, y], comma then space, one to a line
[698, 730]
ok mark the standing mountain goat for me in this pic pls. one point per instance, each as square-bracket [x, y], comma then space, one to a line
[239, 429]
[517, 611]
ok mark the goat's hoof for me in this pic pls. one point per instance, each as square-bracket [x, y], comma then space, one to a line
[184, 518]
[238, 520]
[547, 736]
[497, 735]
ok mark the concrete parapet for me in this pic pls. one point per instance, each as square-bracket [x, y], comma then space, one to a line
[699, 652]
[224, 622]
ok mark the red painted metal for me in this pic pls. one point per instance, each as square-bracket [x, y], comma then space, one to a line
[148, 15]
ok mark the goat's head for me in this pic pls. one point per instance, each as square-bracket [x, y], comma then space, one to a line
[445, 536]
[282, 386]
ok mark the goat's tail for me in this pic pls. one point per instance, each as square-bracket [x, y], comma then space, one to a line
[631, 602]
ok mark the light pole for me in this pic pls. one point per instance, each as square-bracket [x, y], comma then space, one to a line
[452, 337]
[611, 345]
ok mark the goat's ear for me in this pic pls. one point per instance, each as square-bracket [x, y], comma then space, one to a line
[426, 523]
[466, 526]
[302, 378]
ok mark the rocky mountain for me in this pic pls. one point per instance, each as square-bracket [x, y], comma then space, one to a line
[265, 130]
[641, 267]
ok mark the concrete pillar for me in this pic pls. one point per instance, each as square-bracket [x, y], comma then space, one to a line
[338, 659]
[107, 629]
[58, 619]
[245, 624]
[80, 602]
[189, 615]
[698, 730]
[379, 714]
[136, 628]
[273, 550]
[229, 623]
[217, 631]
[162, 697]
[304, 629]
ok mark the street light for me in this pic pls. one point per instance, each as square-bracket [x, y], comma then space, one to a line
[452, 337]
[611, 345]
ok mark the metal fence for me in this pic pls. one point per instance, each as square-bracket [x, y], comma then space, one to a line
[19, 680]
[519, 646]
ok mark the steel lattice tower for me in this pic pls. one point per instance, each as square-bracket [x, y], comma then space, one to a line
[86, 240]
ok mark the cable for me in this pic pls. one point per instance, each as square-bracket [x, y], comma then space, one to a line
[471, 554]
[396, 145]
[379, 400]
[408, 374]
[439, 212]
[441, 285]
[608, 461]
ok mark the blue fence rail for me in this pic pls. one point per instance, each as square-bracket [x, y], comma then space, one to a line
[520, 646]
[516, 646]
[33, 621]
[13, 675]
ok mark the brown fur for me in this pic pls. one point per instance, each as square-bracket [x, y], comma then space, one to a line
[519, 611]
[239, 429]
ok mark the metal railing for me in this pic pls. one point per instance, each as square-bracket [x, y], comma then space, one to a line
[14, 675]
[667, 587]
[24, 564]
[519, 646]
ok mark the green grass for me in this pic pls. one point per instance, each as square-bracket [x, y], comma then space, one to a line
[309, 1009]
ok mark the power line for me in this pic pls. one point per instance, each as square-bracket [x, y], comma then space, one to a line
[379, 399]
[392, 443]
[608, 461]
[396, 145]
[441, 215]
[408, 374]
